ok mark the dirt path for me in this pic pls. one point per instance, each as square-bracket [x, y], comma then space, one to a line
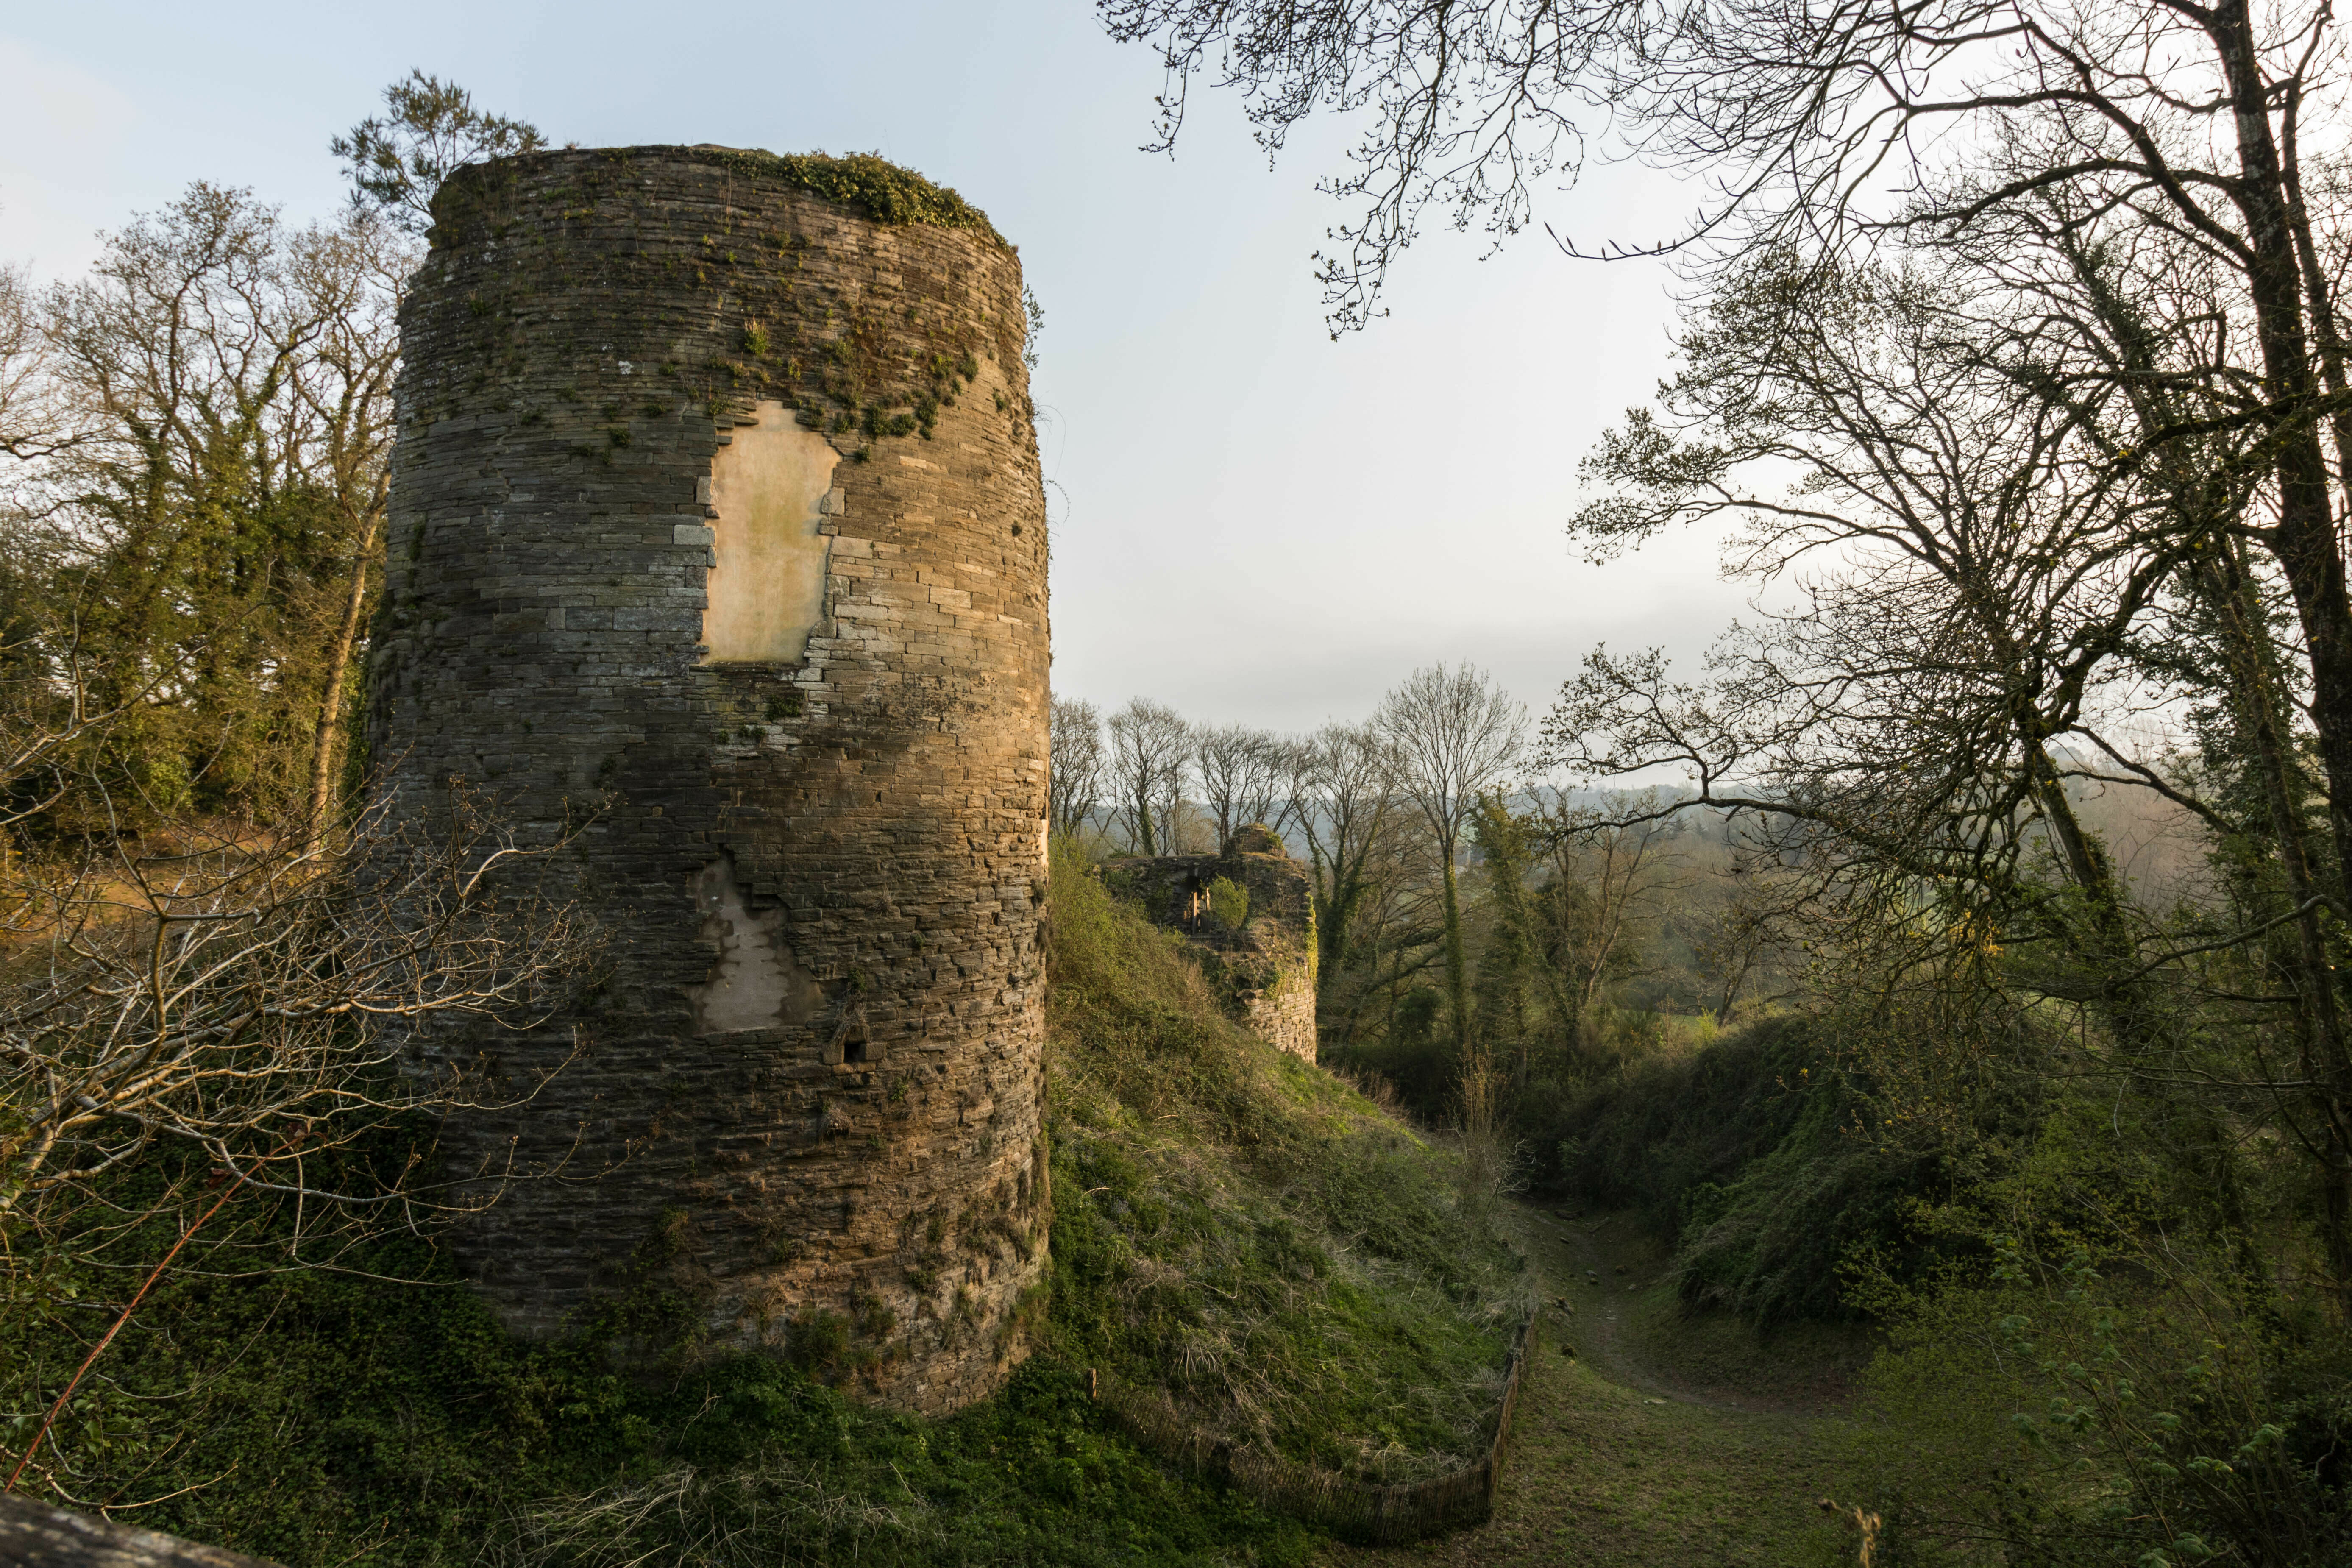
[1593, 1295]
[1618, 1309]
[1643, 1438]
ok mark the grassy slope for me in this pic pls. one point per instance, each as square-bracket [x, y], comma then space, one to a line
[1232, 1225]
[1244, 1229]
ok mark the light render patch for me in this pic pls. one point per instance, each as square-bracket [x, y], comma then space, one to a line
[767, 589]
[756, 983]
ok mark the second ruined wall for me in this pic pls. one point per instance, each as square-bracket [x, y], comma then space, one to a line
[717, 556]
[1266, 968]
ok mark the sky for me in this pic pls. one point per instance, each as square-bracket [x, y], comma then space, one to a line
[1253, 522]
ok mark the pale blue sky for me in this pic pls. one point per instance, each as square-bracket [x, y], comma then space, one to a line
[1254, 522]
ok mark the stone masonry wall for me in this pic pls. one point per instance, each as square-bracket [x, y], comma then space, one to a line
[1266, 967]
[804, 1104]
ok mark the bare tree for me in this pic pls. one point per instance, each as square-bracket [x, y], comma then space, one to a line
[1610, 867]
[429, 130]
[222, 503]
[1455, 735]
[35, 420]
[250, 1001]
[2007, 558]
[1244, 774]
[1470, 105]
[1344, 781]
[1151, 744]
[1736, 936]
[1074, 781]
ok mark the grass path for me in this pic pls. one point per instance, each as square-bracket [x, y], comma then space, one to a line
[1644, 1437]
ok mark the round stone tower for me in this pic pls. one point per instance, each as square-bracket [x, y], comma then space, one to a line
[717, 557]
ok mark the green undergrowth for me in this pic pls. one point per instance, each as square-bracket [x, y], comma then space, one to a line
[318, 1419]
[1296, 1268]
[1233, 1228]
[1746, 1156]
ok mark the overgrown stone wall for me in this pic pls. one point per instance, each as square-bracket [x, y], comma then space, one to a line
[800, 742]
[1265, 965]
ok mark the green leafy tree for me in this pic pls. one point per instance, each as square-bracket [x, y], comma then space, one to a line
[204, 539]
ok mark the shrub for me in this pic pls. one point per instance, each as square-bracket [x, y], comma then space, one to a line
[1649, 1139]
[1228, 903]
[1747, 1155]
[2064, 1407]
[1770, 1245]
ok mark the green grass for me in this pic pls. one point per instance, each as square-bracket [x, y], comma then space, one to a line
[1603, 1473]
[1291, 1264]
[323, 1420]
[1806, 1367]
[1613, 1462]
[1294, 1270]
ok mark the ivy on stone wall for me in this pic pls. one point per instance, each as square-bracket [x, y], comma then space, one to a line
[874, 185]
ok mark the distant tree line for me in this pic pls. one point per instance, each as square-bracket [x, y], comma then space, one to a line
[1474, 926]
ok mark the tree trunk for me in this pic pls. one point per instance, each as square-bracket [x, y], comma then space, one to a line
[1457, 968]
[2303, 542]
[324, 750]
[2319, 1015]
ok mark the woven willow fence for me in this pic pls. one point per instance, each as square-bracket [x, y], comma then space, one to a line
[1351, 1509]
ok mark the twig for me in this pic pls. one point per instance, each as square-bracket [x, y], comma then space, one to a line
[99, 1349]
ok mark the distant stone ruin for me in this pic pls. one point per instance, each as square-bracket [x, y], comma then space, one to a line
[1259, 945]
[716, 555]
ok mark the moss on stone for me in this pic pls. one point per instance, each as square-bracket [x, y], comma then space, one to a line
[871, 183]
[866, 183]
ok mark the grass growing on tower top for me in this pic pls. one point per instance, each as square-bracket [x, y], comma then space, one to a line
[887, 192]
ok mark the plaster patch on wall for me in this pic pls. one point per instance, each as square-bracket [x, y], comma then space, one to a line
[755, 983]
[767, 588]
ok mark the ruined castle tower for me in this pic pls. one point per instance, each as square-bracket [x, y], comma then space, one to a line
[718, 544]
[1255, 938]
